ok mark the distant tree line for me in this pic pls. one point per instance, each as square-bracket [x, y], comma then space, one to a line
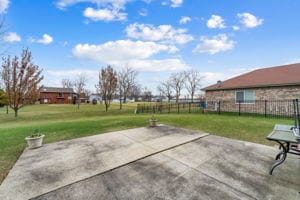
[173, 86]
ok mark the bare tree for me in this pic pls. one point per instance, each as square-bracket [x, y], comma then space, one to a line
[79, 85]
[21, 80]
[192, 84]
[136, 92]
[107, 84]
[87, 92]
[166, 89]
[177, 83]
[120, 89]
[127, 81]
[147, 94]
[67, 83]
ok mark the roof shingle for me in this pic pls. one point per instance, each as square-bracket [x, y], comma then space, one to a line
[56, 90]
[265, 77]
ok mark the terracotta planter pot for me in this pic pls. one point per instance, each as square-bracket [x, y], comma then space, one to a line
[35, 142]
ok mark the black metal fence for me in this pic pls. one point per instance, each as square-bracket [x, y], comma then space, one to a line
[183, 107]
[267, 108]
[272, 108]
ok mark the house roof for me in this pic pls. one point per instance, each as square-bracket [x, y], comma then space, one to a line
[56, 90]
[285, 75]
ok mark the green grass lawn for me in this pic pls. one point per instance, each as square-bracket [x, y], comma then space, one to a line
[61, 122]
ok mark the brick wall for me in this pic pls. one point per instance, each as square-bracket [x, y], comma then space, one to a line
[267, 100]
[52, 98]
[274, 93]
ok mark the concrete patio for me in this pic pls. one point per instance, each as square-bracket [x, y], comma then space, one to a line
[152, 163]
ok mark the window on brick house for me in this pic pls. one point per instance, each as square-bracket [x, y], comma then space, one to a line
[245, 96]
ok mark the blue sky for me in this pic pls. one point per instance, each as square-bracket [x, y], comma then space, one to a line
[218, 38]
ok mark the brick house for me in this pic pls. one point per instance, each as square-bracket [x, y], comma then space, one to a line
[83, 98]
[54, 95]
[266, 84]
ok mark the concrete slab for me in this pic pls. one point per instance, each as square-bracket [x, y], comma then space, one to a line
[155, 177]
[59, 164]
[209, 168]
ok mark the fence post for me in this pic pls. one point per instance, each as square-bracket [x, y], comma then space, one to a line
[189, 107]
[219, 107]
[178, 107]
[169, 108]
[239, 107]
[265, 108]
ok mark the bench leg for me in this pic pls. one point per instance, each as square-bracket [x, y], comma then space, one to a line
[280, 159]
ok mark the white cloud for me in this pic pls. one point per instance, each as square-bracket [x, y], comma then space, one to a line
[149, 65]
[176, 3]
[292, 61]
[46, 39]
[136, 54]
[72, 73]
[117, 4]
[53, 77]
[214, 45]
[162, 33]
[12, 37]
[104, 14]
[184, 20]
[236, 28]
[108, 10]
[212, 77]
[172, 3]
[215, 21]
[4, 5]
[249, 20]
[120, 50]
[143, 12]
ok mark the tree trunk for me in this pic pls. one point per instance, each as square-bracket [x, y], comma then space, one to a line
[120, 104]
[124, 100]
[106, 107]
[192, 97]
[16, 112]
[7, 109]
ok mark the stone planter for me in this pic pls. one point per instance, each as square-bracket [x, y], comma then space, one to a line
[34, 142]
[153, 122]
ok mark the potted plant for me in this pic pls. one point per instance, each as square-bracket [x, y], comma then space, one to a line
[153, 121]
[35, 140]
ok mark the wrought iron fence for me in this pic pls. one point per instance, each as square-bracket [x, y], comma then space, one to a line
[267, 108]
[182, 107]
[274, 108]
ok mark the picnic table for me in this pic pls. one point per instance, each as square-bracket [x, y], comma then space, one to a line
[285, 137]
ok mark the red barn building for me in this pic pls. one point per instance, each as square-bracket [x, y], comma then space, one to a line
[53, 95]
